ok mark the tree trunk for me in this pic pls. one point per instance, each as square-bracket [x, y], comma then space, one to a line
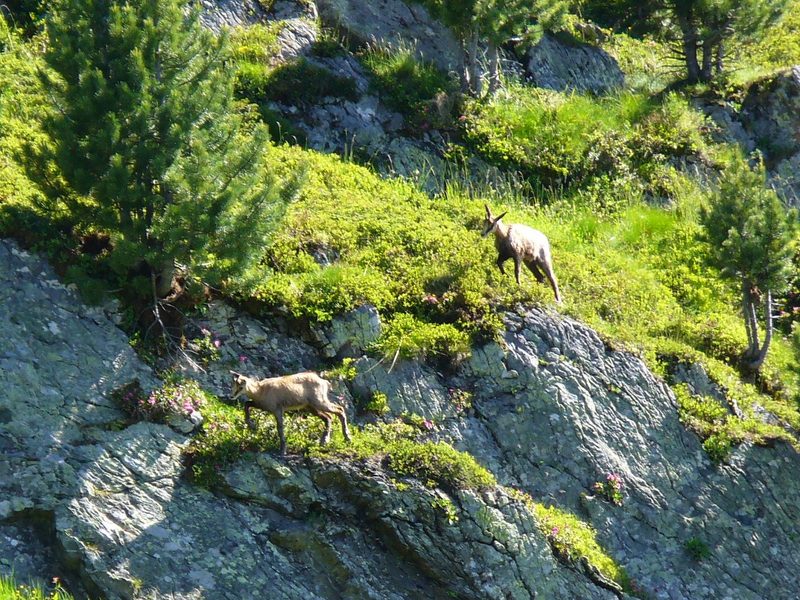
[761, 354]
[689, 44]
[708, 60]
[494, 68]
[164, 275]
[473, 67]
[463, 73]
[719, 58]
[750, 326]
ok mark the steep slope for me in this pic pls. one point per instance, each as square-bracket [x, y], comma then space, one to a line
[575, 411]
[131, 527]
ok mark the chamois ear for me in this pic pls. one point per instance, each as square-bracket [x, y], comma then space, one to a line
[488, 211]
[501, 216]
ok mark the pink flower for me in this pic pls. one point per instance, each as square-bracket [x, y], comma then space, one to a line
[430, 299]
[428, 424]
[554, 531]
[188, 408]
[217, 343]
[151, 400]
[242, 358]
[462, 118]
[205, 331]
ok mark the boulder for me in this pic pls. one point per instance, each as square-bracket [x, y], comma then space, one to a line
[350, 334]
[395, 24]
[579, 411]
[558, 65]
[771, 114]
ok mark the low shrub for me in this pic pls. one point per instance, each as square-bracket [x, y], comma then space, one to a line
[439, 463]
[417, 89]
[178, 397]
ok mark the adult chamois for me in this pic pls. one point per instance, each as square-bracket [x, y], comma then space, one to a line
[525, 245]
[301, 391]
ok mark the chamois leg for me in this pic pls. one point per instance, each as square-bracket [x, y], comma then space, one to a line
[326, 436]
[535, 270]
[281, 435]
[499, 263]
[551, 276]
[247, 419]
[340, 412]
[517, 265]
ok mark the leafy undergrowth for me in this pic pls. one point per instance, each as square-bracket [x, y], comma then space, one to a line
[637, 274]
[573, 540]
[418, 89]
[10, 590]
[225, 439]
[570, 140]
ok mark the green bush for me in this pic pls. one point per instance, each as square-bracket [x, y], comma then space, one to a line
[440, 463]
[411, 338]
[697, 549]
[297, 81]
[415, 88]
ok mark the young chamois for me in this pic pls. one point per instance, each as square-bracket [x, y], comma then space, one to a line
[301, 391]
[525, 245]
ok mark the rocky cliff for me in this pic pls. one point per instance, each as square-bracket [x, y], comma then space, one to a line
[104, 502]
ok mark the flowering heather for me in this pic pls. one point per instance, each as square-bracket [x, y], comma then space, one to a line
[610, 489]
[174, 398]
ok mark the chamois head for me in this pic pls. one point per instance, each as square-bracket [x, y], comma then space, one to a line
[239, 385]
[490, 222]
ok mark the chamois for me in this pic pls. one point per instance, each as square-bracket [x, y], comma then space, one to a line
[301, 391]
[525, 245]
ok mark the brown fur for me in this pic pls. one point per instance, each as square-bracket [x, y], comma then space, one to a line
[301, 391]
[525, 245]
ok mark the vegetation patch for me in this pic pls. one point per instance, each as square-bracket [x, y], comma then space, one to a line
[426, 96]
[182, 397]
[225, 439]
[573, 540]
[11, 590]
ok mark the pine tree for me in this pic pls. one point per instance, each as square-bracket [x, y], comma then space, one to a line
[702, 30]
[752, 238]
[146, 135]
[493, 23]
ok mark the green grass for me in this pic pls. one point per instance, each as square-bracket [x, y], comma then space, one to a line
[419, 90]
[572, 540]
[560, 140]
[225, 440]
[11, 590]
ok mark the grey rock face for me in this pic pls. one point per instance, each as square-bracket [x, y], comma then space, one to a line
[350, 334]
[216, 14]
[556, 65]
[409, 387]
[554, 411]
[130, 525]
[578, 411]
[395, 24]
[769, 120]
[771, 113]
[246, 345]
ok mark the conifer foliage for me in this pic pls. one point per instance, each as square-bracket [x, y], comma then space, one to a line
[149, 142]
[493, 23]
[752, 238]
